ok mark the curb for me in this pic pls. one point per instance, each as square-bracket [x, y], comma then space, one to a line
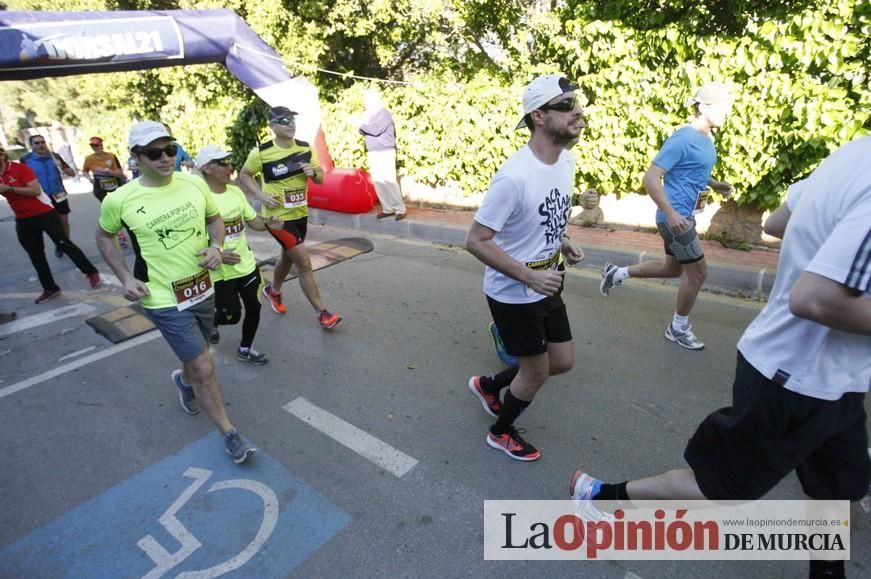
[728, 279]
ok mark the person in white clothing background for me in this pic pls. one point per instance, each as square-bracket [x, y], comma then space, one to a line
[377, 127]
[804, 364]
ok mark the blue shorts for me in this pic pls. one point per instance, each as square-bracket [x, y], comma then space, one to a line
[186, 331]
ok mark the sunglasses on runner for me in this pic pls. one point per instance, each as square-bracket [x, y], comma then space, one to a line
[563, 106]
[155, 154]
[222, 163]
[286, 121]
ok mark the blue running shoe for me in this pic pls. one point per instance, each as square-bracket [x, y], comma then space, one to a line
[500, 347]
[186, 396]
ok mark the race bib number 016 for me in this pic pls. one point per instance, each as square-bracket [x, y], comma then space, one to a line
[233, 228]
[193, 289]
[294, 198]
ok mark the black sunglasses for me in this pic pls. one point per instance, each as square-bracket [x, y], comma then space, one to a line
[285, 121]
[563, 106]
[155, 154]
[222, 163]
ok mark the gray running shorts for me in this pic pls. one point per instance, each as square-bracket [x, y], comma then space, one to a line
[684, 246]
[186, 331]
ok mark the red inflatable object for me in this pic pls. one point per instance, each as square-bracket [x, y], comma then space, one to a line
[345, 190]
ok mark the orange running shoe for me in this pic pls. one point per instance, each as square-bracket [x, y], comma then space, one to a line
[327, 320]
[274, 299]
[512, 444]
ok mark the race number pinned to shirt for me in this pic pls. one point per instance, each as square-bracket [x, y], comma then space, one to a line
[702, 201]
[233, 228]
[551, 262]
[108, 183]
[294, 198]
[193, 289]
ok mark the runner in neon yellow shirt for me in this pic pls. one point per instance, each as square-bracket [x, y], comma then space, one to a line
[177, 235]
[285, 165]
[238, 277]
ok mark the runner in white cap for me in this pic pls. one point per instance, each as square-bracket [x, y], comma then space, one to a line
[177, 234]
[238, 277]
[677, 182]
[519, 233]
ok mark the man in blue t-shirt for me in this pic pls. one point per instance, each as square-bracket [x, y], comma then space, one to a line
[677, 181]
[50, 169]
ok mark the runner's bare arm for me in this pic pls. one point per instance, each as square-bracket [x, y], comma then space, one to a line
[653, 185]
[260, 224]
[776, 223]
[827, 302]
[316, 174]
[31, 189]
[213, 254]
[252, 187]
[134, 289]
[479, 242]
[721, 187]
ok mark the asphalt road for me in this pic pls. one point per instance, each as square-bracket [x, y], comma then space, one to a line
[93, 451]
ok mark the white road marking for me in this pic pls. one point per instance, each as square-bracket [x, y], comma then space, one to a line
[60, 370]
[48, 317]
[395, 461]
[76, 354]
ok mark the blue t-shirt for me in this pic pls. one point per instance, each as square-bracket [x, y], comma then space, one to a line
[687, 157]
[182, 155]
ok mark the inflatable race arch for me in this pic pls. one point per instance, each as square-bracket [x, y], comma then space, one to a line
[45, 44]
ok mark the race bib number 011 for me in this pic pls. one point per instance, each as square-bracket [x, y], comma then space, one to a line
[193, 289]
[294, 198]
[233, 228]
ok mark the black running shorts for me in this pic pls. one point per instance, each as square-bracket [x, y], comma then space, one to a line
[291, 234]
[527, 329]
[743, 451]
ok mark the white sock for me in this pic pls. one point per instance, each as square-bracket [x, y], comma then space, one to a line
[621, 274]
[680, 322]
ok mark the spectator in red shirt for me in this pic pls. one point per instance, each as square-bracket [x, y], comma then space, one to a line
[34, 216]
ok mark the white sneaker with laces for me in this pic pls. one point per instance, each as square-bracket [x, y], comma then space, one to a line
[686, 339]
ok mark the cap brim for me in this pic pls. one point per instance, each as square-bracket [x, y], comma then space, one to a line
[521, 124]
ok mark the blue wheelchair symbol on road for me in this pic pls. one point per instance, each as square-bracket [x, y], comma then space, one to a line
[213, 519]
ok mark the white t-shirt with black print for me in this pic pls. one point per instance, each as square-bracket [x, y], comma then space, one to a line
[527, 205]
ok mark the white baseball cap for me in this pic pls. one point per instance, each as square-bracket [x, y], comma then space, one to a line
[145, 132]
[712, 93]
[541, 90]
[210, 153]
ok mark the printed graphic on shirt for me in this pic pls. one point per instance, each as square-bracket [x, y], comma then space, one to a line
[555, 211]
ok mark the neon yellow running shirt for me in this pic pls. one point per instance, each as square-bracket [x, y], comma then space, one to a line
[235, 211]
[281, 177]
[167, 226]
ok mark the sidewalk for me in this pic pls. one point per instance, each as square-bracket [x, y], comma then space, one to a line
[730, 271]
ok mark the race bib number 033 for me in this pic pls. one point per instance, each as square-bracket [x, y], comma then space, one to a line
[294, 198]
[193, 289]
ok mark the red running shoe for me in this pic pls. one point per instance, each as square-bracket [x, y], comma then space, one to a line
[512, 444]
[47, 295]
[327, 320]
[94, 279]
[490, 402]
[274, 300]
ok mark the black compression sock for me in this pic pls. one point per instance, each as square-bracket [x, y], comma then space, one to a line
[493, 384]
[613, 492]
[512, 407]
